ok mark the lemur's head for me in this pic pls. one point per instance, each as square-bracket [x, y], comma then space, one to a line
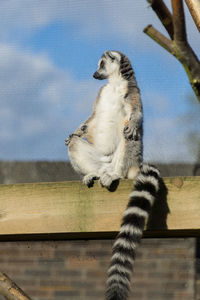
[112, 64]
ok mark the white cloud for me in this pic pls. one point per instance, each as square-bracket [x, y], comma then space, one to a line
[165, 142]
[165, 131]
[122, 19]
[40, 105]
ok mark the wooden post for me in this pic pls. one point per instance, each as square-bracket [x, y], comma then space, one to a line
[71, 210]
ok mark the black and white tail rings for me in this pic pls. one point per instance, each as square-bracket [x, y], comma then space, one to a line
[141, 200]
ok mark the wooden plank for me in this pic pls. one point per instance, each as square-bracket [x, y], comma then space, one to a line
[71, 210]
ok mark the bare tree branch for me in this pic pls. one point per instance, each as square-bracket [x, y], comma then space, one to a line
[179, 21]
[163, 14]
[10, 290]
[194, 8]
[178, 45]
[159, 38]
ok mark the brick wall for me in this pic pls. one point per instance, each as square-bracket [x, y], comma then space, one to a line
[76, 270]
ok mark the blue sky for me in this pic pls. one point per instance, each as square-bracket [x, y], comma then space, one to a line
[48, 53]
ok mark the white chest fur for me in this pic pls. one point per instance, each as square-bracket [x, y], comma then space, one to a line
[110, 114]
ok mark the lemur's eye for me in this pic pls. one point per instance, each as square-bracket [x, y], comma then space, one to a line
[102, 64]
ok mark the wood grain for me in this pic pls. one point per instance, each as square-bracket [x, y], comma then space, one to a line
[71, 210]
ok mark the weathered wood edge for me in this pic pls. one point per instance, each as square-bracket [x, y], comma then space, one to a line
[68, 210]
[96, 235]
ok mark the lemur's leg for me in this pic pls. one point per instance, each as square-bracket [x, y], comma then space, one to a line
[128, 156]
[125, 163]
[112, 171]
[85, 159]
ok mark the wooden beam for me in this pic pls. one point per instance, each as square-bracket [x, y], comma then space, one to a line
[71, 210]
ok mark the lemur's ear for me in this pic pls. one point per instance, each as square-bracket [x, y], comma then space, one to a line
[111, 55]
[115, 55]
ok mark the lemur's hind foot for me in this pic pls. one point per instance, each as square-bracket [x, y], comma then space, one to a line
[89, 180]
[107, 179]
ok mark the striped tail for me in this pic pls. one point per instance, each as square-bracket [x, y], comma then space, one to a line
[134, 219]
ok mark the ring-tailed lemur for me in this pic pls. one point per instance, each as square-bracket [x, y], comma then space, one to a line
[108, 146]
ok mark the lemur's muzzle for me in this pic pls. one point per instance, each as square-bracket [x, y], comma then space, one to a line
[96, 75]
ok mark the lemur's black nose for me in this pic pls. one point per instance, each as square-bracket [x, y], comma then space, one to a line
[96, 75]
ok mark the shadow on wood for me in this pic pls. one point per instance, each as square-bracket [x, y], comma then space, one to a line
[160, 210]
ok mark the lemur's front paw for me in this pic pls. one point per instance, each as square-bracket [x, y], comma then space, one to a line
[68, 140]
[130, 133]
[89, 180]
[81, 130]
